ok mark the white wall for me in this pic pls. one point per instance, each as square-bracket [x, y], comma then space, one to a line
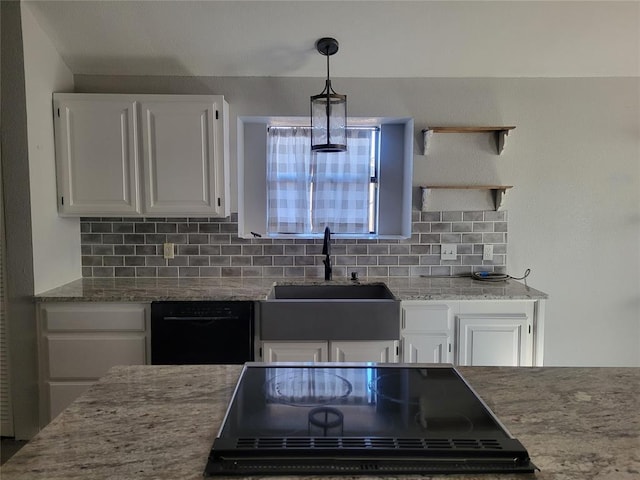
[56, 240]
[574, 211]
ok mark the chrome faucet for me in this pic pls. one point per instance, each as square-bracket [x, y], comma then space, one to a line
[326, 250]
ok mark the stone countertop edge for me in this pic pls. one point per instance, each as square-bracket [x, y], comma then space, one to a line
[159, 422]
[255, 289]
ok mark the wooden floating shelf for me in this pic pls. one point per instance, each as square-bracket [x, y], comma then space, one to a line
[500, 134]
[498, 192]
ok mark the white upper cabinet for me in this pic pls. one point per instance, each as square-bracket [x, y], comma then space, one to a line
[181, 141]
[96, 155]
[129, 155]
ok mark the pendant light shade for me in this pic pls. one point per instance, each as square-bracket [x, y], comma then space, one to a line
[328, 110]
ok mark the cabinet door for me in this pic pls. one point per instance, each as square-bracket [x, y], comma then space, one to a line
[62, 394]
[183, 156]
[427, 347]
[427, 332]
[370, 351]
[96, 155]
[294, 351]
[493, 340]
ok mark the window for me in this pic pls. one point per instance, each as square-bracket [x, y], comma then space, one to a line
[390, 199]
[308, 191]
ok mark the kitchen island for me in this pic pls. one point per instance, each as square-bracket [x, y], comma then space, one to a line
[159, 422]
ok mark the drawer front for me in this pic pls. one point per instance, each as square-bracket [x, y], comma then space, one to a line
[95, 317]
[90, 358]
[437, 317]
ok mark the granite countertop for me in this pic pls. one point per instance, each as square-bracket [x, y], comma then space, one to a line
[152, 289]
[157, 422]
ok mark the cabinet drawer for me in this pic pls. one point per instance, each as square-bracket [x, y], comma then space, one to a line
[427, 317]
[95, 317]
[90, 358]
[295, 351]
[497, 307]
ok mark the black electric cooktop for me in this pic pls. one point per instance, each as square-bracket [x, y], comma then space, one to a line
[350, 419]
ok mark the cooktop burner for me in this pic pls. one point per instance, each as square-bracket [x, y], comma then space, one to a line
[360, 418]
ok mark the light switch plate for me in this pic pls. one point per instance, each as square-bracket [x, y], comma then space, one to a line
[448, 252]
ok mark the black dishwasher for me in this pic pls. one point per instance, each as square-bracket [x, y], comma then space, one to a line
[201, 332]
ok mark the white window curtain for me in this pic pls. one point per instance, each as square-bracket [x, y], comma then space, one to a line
[308, 191]
[288, 179]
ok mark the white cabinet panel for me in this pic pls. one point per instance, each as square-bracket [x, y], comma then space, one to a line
[426, 347]
[295, 352]
[96, 155]
[341, 351]
[81, 356]
[493, 340]
[369, 351]
[95, 317]
[61, 394]
[183, 160]
[422, 316]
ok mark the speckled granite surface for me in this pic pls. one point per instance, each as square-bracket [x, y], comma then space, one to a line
[150, 289]
[158, 422]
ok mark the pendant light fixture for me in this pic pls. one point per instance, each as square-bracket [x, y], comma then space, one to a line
[328, 110]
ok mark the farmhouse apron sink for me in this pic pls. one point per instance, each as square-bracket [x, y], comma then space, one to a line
[330, 312]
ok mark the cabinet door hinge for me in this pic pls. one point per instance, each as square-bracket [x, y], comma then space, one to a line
[217, 115]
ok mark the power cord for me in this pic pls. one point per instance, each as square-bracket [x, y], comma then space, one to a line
[497, 277]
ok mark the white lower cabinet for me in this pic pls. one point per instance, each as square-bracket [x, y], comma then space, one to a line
[79, 342]
[482, 332]
[334, 351]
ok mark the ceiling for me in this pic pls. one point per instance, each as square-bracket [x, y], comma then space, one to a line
[394, 38]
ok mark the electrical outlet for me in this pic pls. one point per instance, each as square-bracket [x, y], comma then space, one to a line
[487, 252]
[448, 252]
[168, 250]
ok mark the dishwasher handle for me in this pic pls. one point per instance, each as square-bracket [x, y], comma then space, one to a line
[198, 319]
